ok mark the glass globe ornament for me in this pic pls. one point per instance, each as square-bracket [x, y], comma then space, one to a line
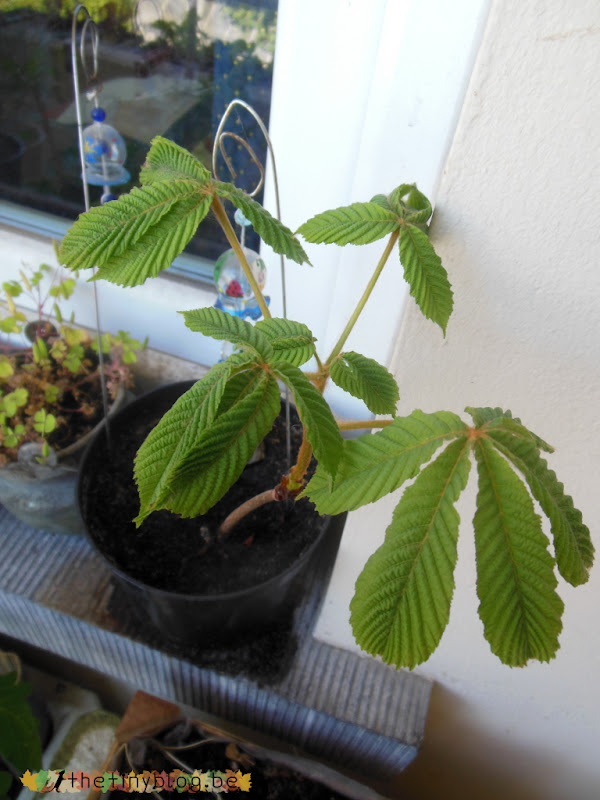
[235, 296]
[104, 153]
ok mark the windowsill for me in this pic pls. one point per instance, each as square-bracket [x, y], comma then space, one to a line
[48, 228]
[144, 311]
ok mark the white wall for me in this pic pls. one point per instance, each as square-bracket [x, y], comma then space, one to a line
[516, 224]
[366, 95]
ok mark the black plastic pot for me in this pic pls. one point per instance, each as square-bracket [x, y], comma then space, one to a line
[181, 617]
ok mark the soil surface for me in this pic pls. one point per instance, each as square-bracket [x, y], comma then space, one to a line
[269, 780]
[169, 552]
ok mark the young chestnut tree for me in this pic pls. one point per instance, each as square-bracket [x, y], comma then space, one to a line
[200, 447]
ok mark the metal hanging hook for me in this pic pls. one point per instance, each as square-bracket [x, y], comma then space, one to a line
[253, 157]
[218, 147]
[89, 29]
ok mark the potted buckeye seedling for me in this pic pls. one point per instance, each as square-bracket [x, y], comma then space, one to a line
[202, 444]
[50, 397]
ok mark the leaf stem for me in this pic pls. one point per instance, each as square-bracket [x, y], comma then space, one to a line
[359, 424]
[223, 221]
[245, 508]
[366, 294]
[302, 461]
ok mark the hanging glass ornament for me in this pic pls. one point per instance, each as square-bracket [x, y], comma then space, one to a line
[104, 154]
[235, 295]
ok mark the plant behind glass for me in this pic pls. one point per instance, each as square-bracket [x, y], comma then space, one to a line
[402, 600]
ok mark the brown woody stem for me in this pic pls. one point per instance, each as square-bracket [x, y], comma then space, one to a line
[241, 511]
[298, 471]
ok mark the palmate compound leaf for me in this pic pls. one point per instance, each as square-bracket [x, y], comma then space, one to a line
[168, 161]
[176, 434]
[366, 379]
[427, 278]
[270, 230]
[572, 542]
[519, 607]
[224, 449]
[316, 417]
[493, 417]
[359, 223]
[402, 601]
[220, 325]
[291, 341]
[138, 235]
[376, 464]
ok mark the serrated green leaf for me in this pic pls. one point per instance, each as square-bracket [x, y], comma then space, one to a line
[416, 208]
[175, 435]
[168, 161]
[572, 542]
[291, 341]
[19, 739]
[381, 200]
[427, 278]
[316, 417]
[359, 223]
[224, 448]
[220, 325]
[238, 385]
[138, 235]
[366, 379]
[519, 607]
[481, 416]
[376, 464]
[489, 418]
[270, 230]
[402, 602]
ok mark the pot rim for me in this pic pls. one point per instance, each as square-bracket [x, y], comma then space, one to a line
[80, 443]
[294, 566]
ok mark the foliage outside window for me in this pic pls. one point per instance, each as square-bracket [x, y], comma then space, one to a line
[168, 66]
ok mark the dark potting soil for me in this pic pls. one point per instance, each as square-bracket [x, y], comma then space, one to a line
[170, 552]
[269, 780]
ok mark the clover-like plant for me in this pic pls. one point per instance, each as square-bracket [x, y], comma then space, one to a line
[50, 392]
[202, 444]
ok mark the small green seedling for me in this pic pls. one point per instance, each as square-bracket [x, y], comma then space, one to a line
[45, 390]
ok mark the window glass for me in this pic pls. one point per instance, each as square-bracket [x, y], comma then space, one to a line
[167, 67]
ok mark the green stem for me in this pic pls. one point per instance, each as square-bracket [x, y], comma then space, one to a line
[359, 424]
[363, 300]
[223, 220]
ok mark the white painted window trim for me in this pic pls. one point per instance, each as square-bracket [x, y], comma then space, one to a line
[366, 95]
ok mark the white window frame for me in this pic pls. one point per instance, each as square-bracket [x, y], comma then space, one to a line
[366, 95]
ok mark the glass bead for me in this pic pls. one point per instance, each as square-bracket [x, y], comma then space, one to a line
[104, 153]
